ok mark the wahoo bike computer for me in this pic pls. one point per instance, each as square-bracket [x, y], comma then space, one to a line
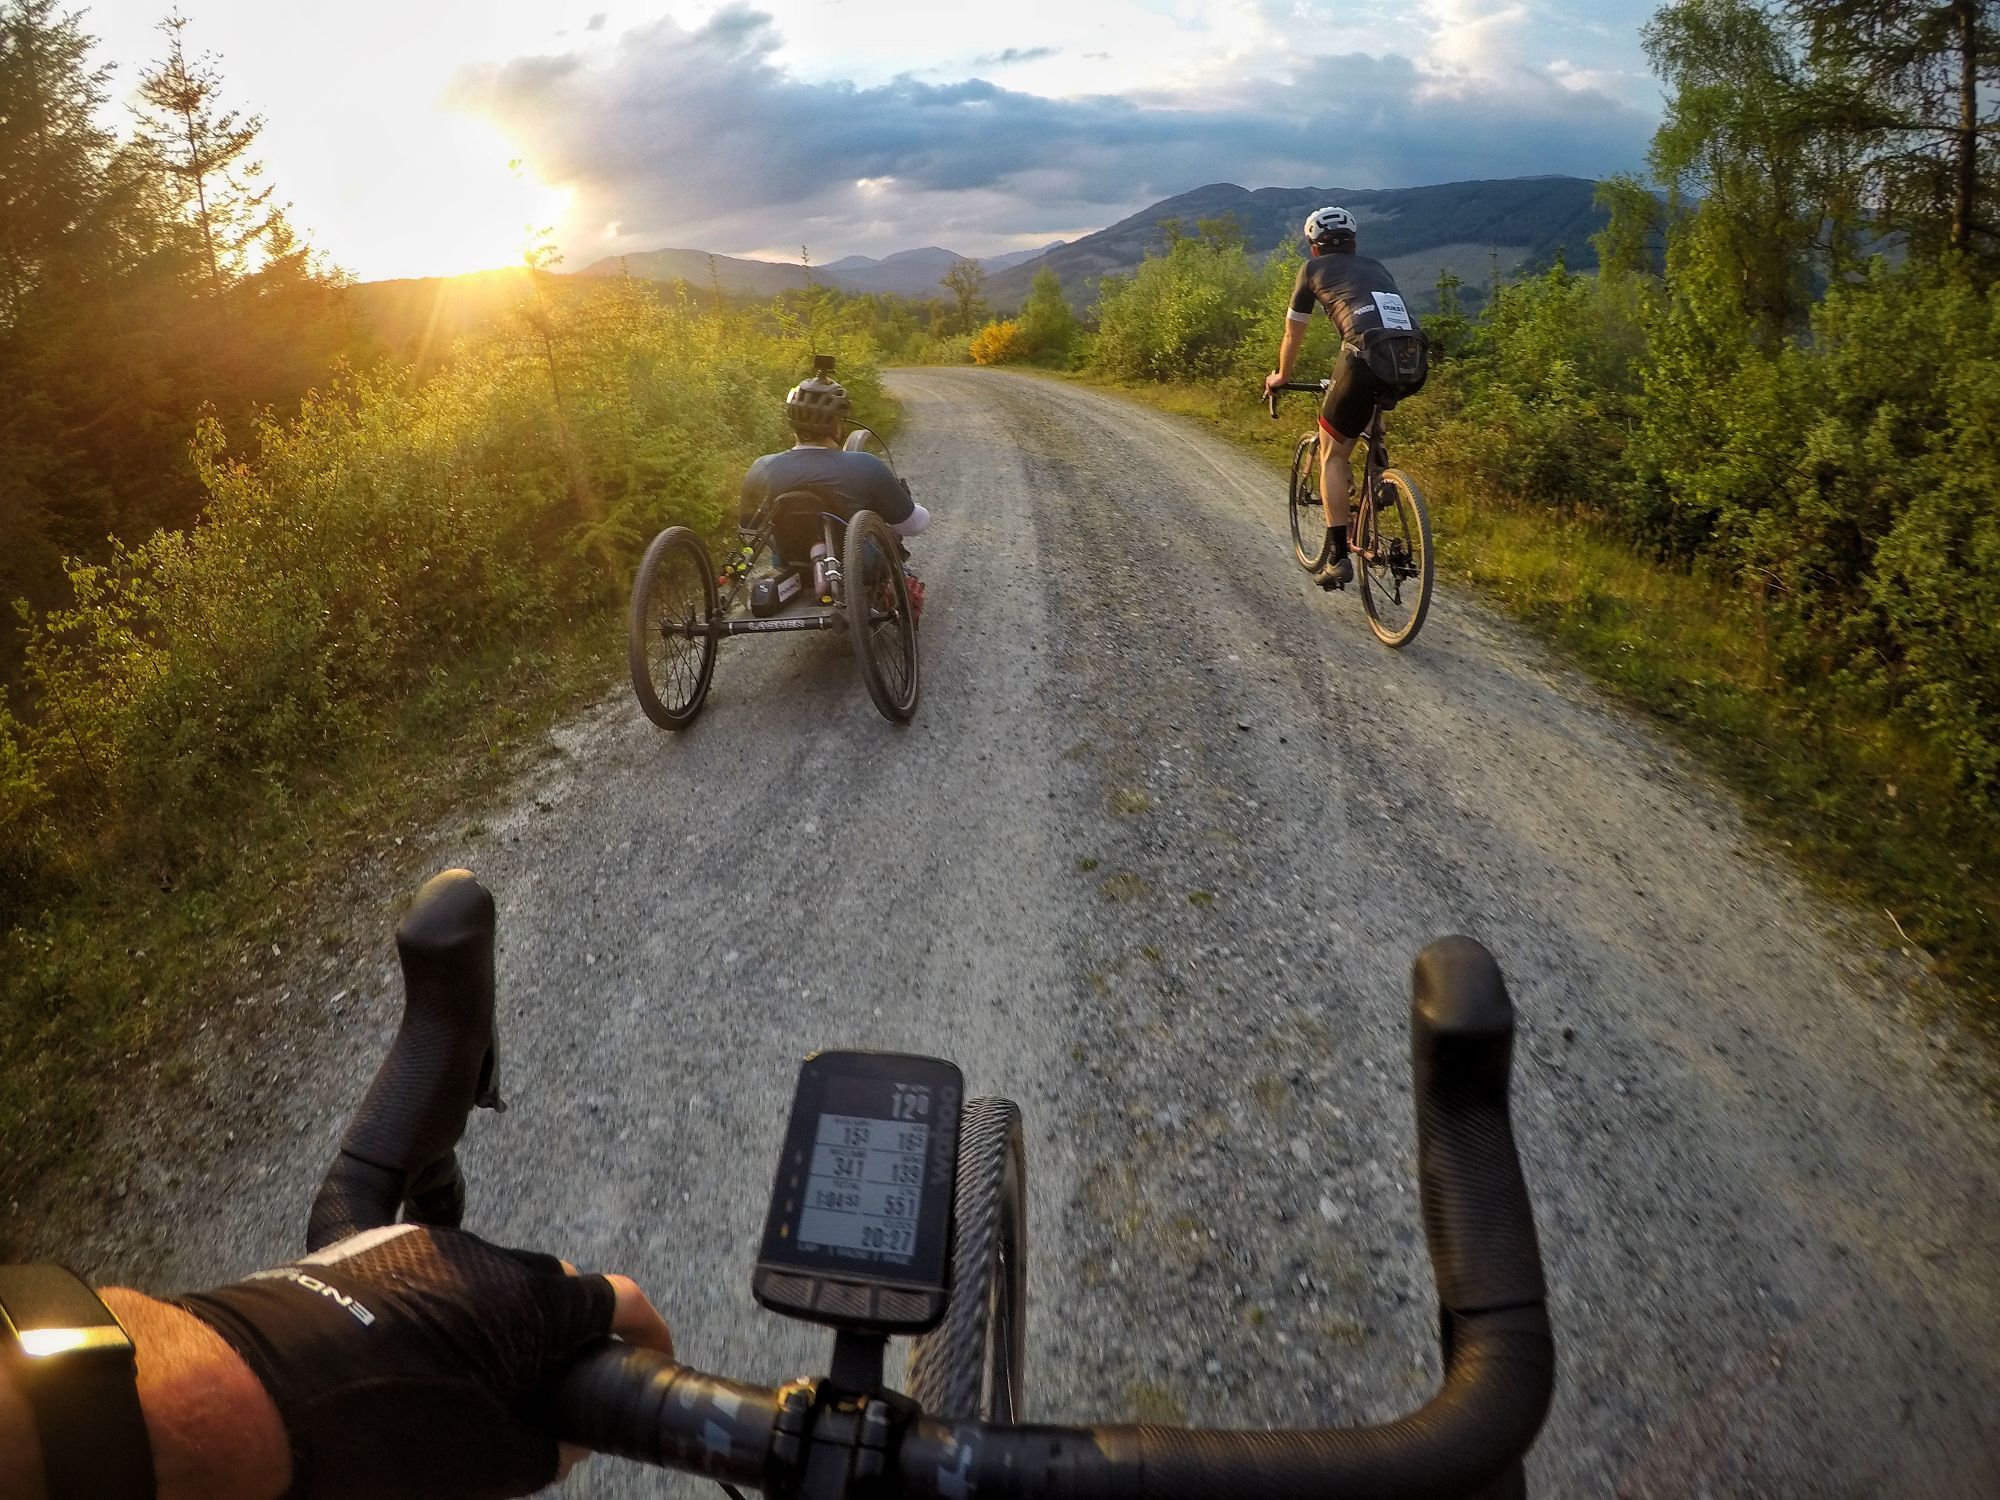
[859, 1230]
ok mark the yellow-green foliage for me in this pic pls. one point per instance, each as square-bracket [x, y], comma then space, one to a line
[999, 344]
[362, 547]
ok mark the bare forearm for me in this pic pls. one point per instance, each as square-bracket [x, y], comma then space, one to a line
[214, 1432]
[1288, 351]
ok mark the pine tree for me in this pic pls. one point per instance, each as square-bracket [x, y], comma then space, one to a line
[204, 151]
[1926, 77]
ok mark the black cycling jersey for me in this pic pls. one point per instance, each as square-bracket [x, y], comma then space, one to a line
[1359, 294]
[846, 482]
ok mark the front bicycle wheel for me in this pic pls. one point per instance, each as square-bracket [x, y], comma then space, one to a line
[971, 1366]
[668, 643]
[1311, 541]
[1396, 567]
[879, 618]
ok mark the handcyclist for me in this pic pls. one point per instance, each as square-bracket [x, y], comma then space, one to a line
[399, 1362]
[817, 409]
[1360, 296]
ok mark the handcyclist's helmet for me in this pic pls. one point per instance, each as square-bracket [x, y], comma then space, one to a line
[1329, 226]
[817, 407]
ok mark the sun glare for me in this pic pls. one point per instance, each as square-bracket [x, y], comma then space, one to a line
[461, 200]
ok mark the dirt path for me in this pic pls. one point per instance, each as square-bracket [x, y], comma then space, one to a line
[1154, 859]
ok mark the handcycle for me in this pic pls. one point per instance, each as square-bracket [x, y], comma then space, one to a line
[682, 607]
[1388, 527]
[900, 1209]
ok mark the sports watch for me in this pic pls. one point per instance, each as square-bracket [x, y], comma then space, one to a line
[74, 1362]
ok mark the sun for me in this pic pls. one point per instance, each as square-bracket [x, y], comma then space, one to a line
[456, 196]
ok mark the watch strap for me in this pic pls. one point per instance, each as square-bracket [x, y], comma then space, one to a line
[75, 1364]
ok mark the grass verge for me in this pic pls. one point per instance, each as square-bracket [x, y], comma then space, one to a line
[1863, 805]
[113, 969]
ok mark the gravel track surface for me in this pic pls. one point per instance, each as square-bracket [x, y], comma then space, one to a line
[1154, 860]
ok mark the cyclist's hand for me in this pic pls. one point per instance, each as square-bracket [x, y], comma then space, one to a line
[1272, 381]
[413, 1362]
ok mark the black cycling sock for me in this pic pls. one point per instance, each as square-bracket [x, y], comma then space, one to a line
[1339, 534]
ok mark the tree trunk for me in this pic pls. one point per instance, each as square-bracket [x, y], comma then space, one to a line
[1965, 15]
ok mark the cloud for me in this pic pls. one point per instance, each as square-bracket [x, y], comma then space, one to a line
[1013, 55]
[701, 137]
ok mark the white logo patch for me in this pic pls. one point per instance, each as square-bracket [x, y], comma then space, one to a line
[1394, 314]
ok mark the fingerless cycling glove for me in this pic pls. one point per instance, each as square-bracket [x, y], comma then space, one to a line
[410, 1361]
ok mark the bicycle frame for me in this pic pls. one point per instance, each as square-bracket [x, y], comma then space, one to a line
[760, 534]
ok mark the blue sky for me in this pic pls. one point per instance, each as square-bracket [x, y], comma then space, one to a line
[422, 137]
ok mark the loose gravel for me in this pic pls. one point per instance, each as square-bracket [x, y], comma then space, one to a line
[1154, 860]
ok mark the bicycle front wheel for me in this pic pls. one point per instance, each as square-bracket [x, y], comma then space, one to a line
[1396, 567]
[971, 1366]
[879, 618]
[668, 644]
[1311, 541]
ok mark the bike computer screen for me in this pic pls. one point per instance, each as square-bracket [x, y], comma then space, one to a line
[859, 1229]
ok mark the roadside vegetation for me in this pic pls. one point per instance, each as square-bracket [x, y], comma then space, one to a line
[1747, 472]
[369, 581]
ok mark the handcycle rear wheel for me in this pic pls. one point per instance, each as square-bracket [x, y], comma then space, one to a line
[668, 645]
[876, 596]
[1397, 568]
[1311, 541]
[971, 1366]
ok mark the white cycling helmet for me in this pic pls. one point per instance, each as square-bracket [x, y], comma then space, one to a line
[1329, 223]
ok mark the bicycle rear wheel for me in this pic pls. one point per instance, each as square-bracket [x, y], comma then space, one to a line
[1396, 567]
[1311, 541]
[971, 1365]
[879, 617]
[667, 644]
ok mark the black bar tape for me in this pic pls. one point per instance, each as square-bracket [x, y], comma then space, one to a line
[1475, 1201]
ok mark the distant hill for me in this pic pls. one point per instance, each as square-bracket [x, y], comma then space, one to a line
[741, 278]
[907, 273]
[1417, 232]
[419, 319]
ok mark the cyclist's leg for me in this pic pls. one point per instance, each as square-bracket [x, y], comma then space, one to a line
[1350, 401]
[1335, 484]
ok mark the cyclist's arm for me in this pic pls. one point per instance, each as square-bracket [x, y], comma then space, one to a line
[214, 1432]
[1298, 318]
[888, 495]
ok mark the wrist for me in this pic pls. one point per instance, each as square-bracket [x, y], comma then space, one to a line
[216, 1434]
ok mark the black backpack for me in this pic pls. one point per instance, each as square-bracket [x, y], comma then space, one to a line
[1398, 357]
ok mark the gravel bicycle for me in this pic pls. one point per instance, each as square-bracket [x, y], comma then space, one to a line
[1388, 528]
[683, 608]
[899, 1208]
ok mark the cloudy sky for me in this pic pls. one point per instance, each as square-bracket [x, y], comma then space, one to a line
[422, 137]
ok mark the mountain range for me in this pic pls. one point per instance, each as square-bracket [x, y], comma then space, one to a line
[907, 273]
[1469, 228]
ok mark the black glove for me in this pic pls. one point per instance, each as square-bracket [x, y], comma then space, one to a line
[411, 1362]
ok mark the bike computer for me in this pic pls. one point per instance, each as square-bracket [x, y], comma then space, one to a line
[859, 1230]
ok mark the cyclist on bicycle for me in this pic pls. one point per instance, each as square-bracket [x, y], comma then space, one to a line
[1360, 296]
[844, 482]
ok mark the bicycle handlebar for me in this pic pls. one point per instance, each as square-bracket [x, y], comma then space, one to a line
[400, 1150]
[1499, 1356]
[1314, 387]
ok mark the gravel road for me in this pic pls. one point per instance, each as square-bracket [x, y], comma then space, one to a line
[1154, 859]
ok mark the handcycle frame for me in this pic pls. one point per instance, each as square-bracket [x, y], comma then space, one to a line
[845, 1437]
[719, 621]
[1365, 541]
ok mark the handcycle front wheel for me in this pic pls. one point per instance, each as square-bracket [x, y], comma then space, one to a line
[880, 620]
[1311, 541]
[1396, 568]
[972, 1365]
[669, 645]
